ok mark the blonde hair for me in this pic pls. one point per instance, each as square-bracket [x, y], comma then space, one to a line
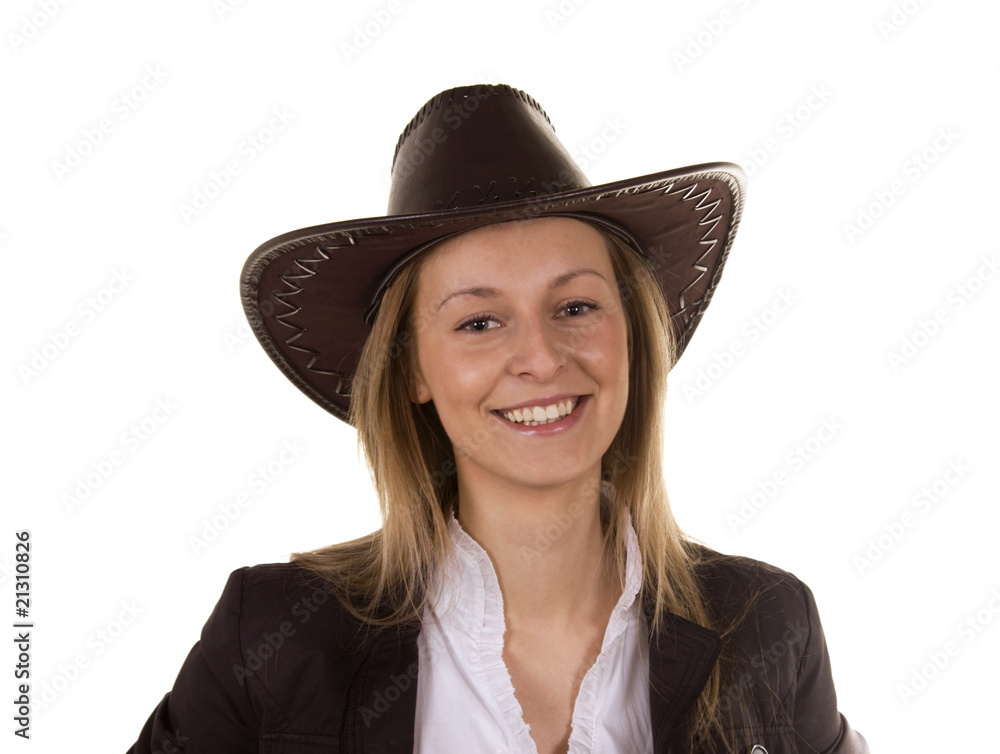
[383, 577]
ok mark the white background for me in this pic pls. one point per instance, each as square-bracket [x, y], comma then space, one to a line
[845, 95]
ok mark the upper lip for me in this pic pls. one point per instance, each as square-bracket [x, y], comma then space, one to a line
[543, 402]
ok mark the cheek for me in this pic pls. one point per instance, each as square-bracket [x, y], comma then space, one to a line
[608, 350]
[450, 377]
[458, 388]
[614, 366]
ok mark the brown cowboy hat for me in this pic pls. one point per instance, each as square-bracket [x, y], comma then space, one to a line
[472, 156]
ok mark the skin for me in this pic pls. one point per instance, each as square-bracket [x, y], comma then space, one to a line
[507, 314]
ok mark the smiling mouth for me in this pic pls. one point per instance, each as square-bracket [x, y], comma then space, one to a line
[534, 416]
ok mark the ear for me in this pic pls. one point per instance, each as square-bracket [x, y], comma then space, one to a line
[418, 390]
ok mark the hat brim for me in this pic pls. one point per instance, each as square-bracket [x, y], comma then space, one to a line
[296, 285]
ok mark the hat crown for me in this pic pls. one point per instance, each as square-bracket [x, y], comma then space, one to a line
[478, 145]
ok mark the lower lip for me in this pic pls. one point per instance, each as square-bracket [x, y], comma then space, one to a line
[553, 428]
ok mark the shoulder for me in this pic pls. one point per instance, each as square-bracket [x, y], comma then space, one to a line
[738, 587]
[287, 631]
[270, 589]
[283, 603]
[773, 640]
[275, 664]
[273, 582]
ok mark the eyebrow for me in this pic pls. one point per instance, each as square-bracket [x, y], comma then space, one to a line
[482, 291]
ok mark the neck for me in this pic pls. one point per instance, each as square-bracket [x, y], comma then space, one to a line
[546, 546]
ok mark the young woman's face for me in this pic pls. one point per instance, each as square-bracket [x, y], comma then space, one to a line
[522, 345]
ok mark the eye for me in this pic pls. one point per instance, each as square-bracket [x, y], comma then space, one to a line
[479, 323]
[577, 308]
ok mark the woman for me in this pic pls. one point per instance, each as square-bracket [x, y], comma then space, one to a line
[501, 341]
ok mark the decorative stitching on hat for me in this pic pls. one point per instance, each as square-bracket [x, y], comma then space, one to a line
[522, 189]
[689, 311]
[287, 279]
[342, 388]
[688, 194]
[490, 192]
[525, 190]
[439, 203]
[280, 296]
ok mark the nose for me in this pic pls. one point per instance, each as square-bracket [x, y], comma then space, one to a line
[537, 350]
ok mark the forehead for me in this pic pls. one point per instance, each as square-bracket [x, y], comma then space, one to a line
[525, 250]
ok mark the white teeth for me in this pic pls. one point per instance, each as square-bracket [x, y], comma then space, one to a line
[532, 416]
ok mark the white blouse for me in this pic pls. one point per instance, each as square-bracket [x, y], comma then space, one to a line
[465, 698]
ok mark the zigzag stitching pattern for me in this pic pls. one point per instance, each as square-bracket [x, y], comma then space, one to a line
[688, 194]
[281, 296]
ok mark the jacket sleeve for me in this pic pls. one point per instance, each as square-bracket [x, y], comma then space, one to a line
[209, 708]
[815, 712]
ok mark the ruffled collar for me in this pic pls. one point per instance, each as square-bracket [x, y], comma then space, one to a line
[467, 599]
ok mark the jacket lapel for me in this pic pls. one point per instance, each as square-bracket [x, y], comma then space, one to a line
[681, 657]
[382, 697]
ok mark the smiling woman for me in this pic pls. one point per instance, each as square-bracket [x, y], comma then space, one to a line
[501, 341]
[547, 329]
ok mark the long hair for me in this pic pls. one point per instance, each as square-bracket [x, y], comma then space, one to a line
[383, 577]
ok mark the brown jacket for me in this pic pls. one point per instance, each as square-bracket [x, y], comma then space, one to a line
[282, 668]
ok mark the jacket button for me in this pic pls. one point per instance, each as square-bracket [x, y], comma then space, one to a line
[758, 749]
